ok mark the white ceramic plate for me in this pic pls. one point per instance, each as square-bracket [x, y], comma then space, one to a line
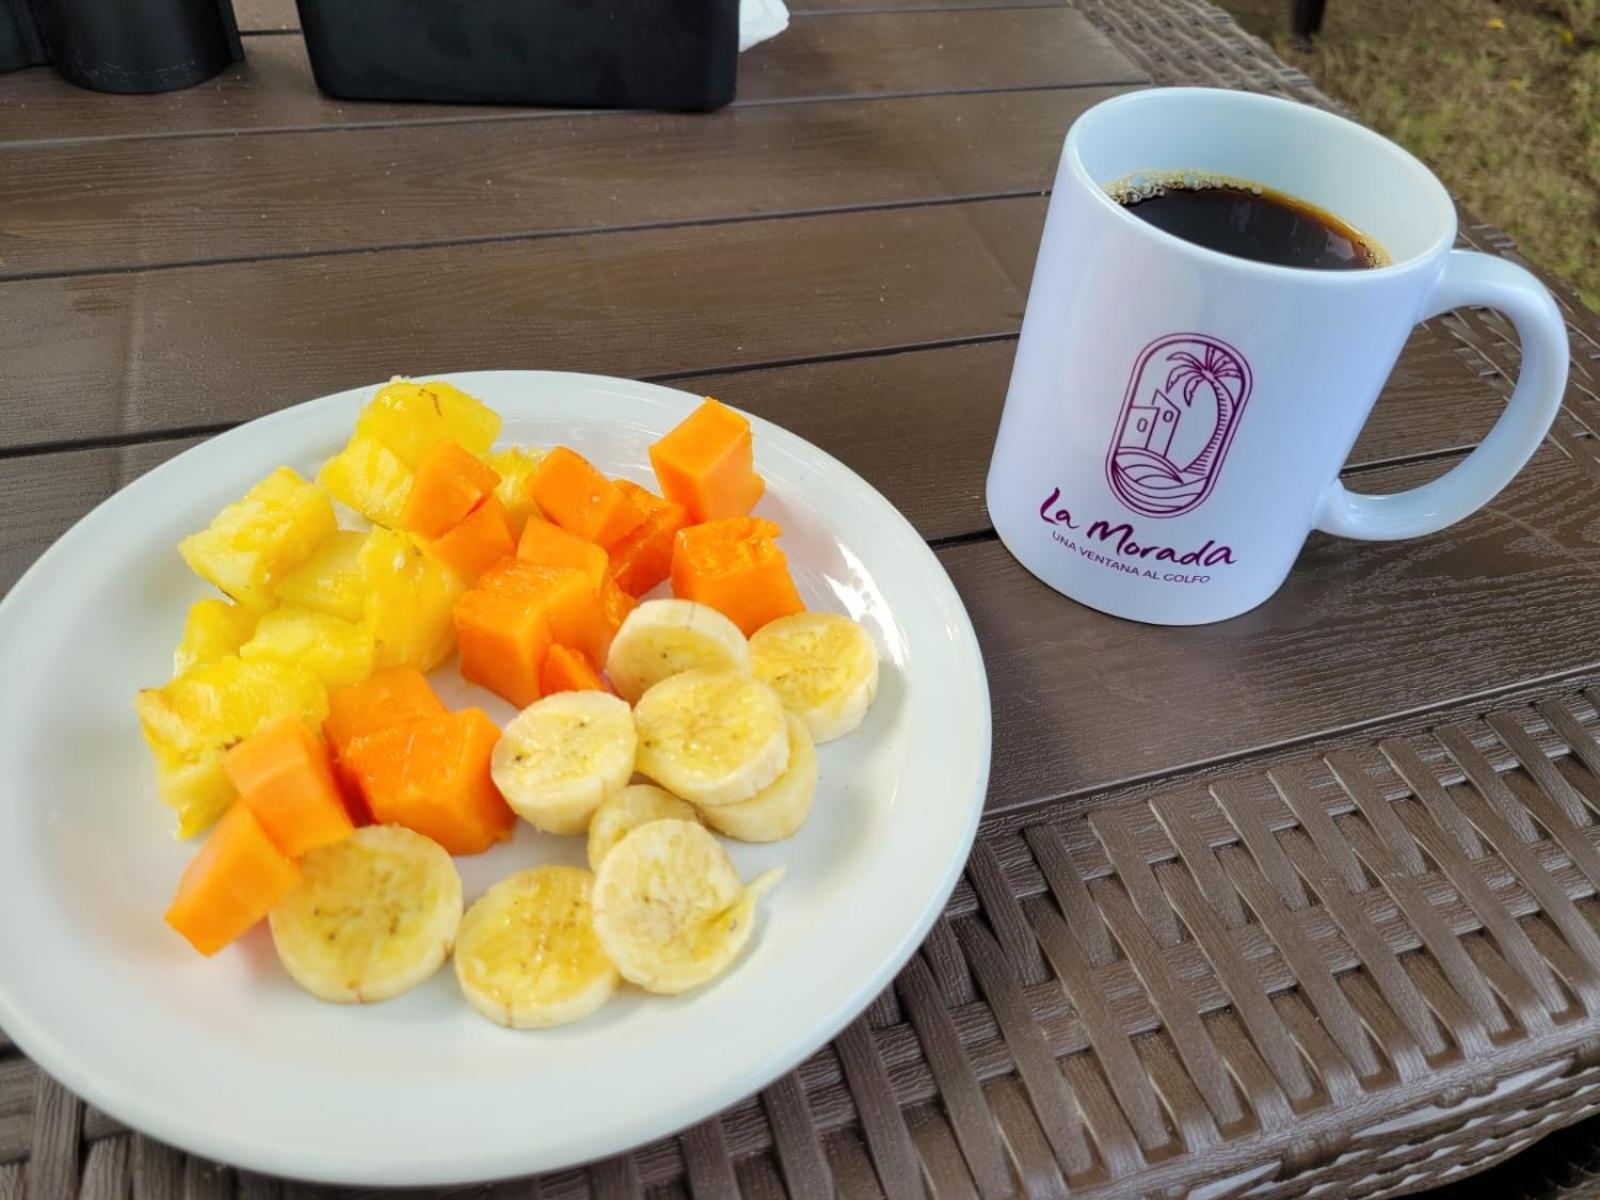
[228, 1059]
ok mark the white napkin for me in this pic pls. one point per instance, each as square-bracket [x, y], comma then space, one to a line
[760, 20]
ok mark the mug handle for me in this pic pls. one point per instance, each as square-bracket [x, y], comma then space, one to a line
[1470, 278]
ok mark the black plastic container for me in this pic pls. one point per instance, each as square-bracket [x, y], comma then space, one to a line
[668, 54]
[121, 45]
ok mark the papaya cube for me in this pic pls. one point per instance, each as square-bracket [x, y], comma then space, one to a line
[330, 581]
[284, 777]
[214, 628]
[234, 880]
[335, 651]
[643, 558]
[569, 670]
[255, 541]
[503, 639]
[432, 776]
[370, 478]
[412, 418]
[735, 567]
[548, 545]
[482, 539]
[577, 497]
[387, 698]
[449, 484]
[707, 464]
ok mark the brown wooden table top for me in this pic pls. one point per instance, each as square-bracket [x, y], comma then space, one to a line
[846, 250]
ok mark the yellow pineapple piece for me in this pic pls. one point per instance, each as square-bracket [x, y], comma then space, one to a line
[335, 651]
[257, 540]
[192, 720]
[330, 581]
[212, 629]
[368, 477]
[409, 597]
[514, 465]
[412, 418]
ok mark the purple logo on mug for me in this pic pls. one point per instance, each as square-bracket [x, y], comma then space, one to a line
[1178, 419]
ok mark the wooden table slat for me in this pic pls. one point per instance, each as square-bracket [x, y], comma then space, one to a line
[824, 57]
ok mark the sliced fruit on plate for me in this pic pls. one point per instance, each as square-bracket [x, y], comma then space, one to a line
[330, 581]
[432, 776]
[409, 597]
[334, 650]
[368, 477]
[712, 736]
[546, 544]
[412, 418]
[504, 640]
[388, 698]
[625, 810]
[191, 720]
[706, 464]
[254, 542]
[571, 492]
[670, 909]
[370, 918]
[231, 883]
[514, 465]
[283, 775]
[528, 957]
[736, 567]
[481, 539]
[779, 809]
[643, 558]
[665, 637]
[562, 756]
[823, 666]
[449, 483]
[569, 670]
[214, 628]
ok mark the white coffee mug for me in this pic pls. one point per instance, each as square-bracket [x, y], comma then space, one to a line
[1177, 417]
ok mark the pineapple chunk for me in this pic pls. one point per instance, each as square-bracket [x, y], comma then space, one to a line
[192, 720]
[336, 652]
[199, 792]
[330, 580]
[514, 465]
[409, 597]
[257, 540]
[212, 629]
[412, 418]
[368, 477]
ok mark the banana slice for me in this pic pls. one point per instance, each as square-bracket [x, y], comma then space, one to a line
[622, 812]
[557, 760]
[823, 666]
[528, 957]
[663, 637]
[712, 736]
[669, 907]
[777, 811]
[372, 916]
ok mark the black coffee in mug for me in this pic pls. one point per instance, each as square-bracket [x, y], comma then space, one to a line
[1249, 220]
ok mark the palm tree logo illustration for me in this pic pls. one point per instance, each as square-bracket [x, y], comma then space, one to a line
[1178, 419]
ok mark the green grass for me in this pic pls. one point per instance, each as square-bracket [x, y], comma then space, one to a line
[1508, 117]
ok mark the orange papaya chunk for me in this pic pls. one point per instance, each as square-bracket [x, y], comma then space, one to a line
[234, 880]
[707, 464]
[450, 482]
[571, 492]
[284, 776]
[735, 567]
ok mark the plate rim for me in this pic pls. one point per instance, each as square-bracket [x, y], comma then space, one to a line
[53, 1054]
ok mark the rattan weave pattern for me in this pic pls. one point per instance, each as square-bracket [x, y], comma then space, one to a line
[1359, 969]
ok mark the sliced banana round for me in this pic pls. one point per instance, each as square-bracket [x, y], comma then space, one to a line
[712, 736]
[623, 811]
[528, 957]
[669, 907]
[372, 916]
[822, 665]
[779, 809]
[663, 637]
[560, 757]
